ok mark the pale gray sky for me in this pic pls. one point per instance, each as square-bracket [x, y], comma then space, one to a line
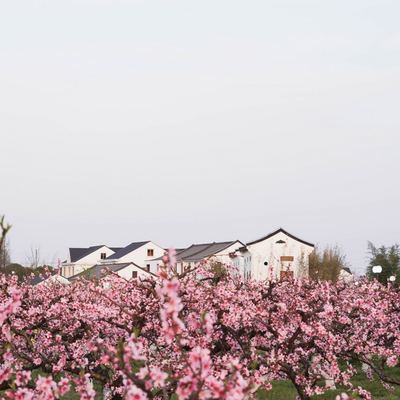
[191, 121]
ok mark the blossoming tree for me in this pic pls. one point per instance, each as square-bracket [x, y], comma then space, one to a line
[196, 335]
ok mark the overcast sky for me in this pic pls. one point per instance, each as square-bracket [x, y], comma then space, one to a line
[196, 121]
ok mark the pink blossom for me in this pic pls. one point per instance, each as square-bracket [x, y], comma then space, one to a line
[5, 374]
[158, 377]
[392, 361]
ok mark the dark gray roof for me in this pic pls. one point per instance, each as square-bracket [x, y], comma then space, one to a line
[40, 278]
[78, 253]
[347, 269]
[204, 251]
[192, 250]
[115, 249]
[283, 231]
[97, 270]
[126, 250]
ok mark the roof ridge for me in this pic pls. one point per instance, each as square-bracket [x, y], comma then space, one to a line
[283, 231]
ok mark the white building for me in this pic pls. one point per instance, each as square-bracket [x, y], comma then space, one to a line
[139, 253]
[275, 255]
[345, 275]
[125, 270]
[221, 252]
[83, 258]
[271, 256]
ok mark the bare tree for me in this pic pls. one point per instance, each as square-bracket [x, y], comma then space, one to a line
[303, 266]
[326, 264]
[5, 258]
[32, 257]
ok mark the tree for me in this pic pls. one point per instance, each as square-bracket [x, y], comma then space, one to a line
[5, 258]
[4, 245]
[18, 270]
[388, 258]
[32, 257]
[168, 336]
[327, 264]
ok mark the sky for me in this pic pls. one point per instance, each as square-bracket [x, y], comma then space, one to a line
[197, 121]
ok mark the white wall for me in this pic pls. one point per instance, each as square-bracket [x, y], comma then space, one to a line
[271, 252]
[127, 272]
[140, 256]
[68, 269]
[345, 276]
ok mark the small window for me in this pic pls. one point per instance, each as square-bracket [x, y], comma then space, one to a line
[150, 252]
[148, 267]
[103, 256]
[134, 274]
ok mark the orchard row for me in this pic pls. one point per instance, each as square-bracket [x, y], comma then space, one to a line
[199, 335]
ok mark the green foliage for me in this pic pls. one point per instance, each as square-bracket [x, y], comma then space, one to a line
[326, 264]
[16, 269]
[388, 258]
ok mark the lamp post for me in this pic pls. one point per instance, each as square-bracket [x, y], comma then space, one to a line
[377, 269]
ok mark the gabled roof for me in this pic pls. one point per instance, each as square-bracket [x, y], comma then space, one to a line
[126, 250]
[192, 250]
[284, 232]
[115, 249]
[347, 269]
[44, 277]
[198, 252]
[97, 270]
[78, 253]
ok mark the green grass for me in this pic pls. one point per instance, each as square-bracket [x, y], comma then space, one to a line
[284, 390]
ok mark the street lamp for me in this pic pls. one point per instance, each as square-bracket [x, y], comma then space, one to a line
[377, 269]
[392, 278]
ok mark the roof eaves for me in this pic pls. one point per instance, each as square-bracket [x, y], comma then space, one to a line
[284, 232]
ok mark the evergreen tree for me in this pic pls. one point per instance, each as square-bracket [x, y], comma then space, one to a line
[388, 258]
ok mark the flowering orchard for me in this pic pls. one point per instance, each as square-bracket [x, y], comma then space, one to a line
[197, 335]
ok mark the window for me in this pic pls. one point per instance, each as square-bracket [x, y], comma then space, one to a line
[134, 274]
[150, 252]
[103, 256]
[148, 267]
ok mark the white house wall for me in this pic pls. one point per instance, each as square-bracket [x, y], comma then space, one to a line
[70, 269]
[127, 272]
[271, 252]
[225, 258]
[140, 256]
